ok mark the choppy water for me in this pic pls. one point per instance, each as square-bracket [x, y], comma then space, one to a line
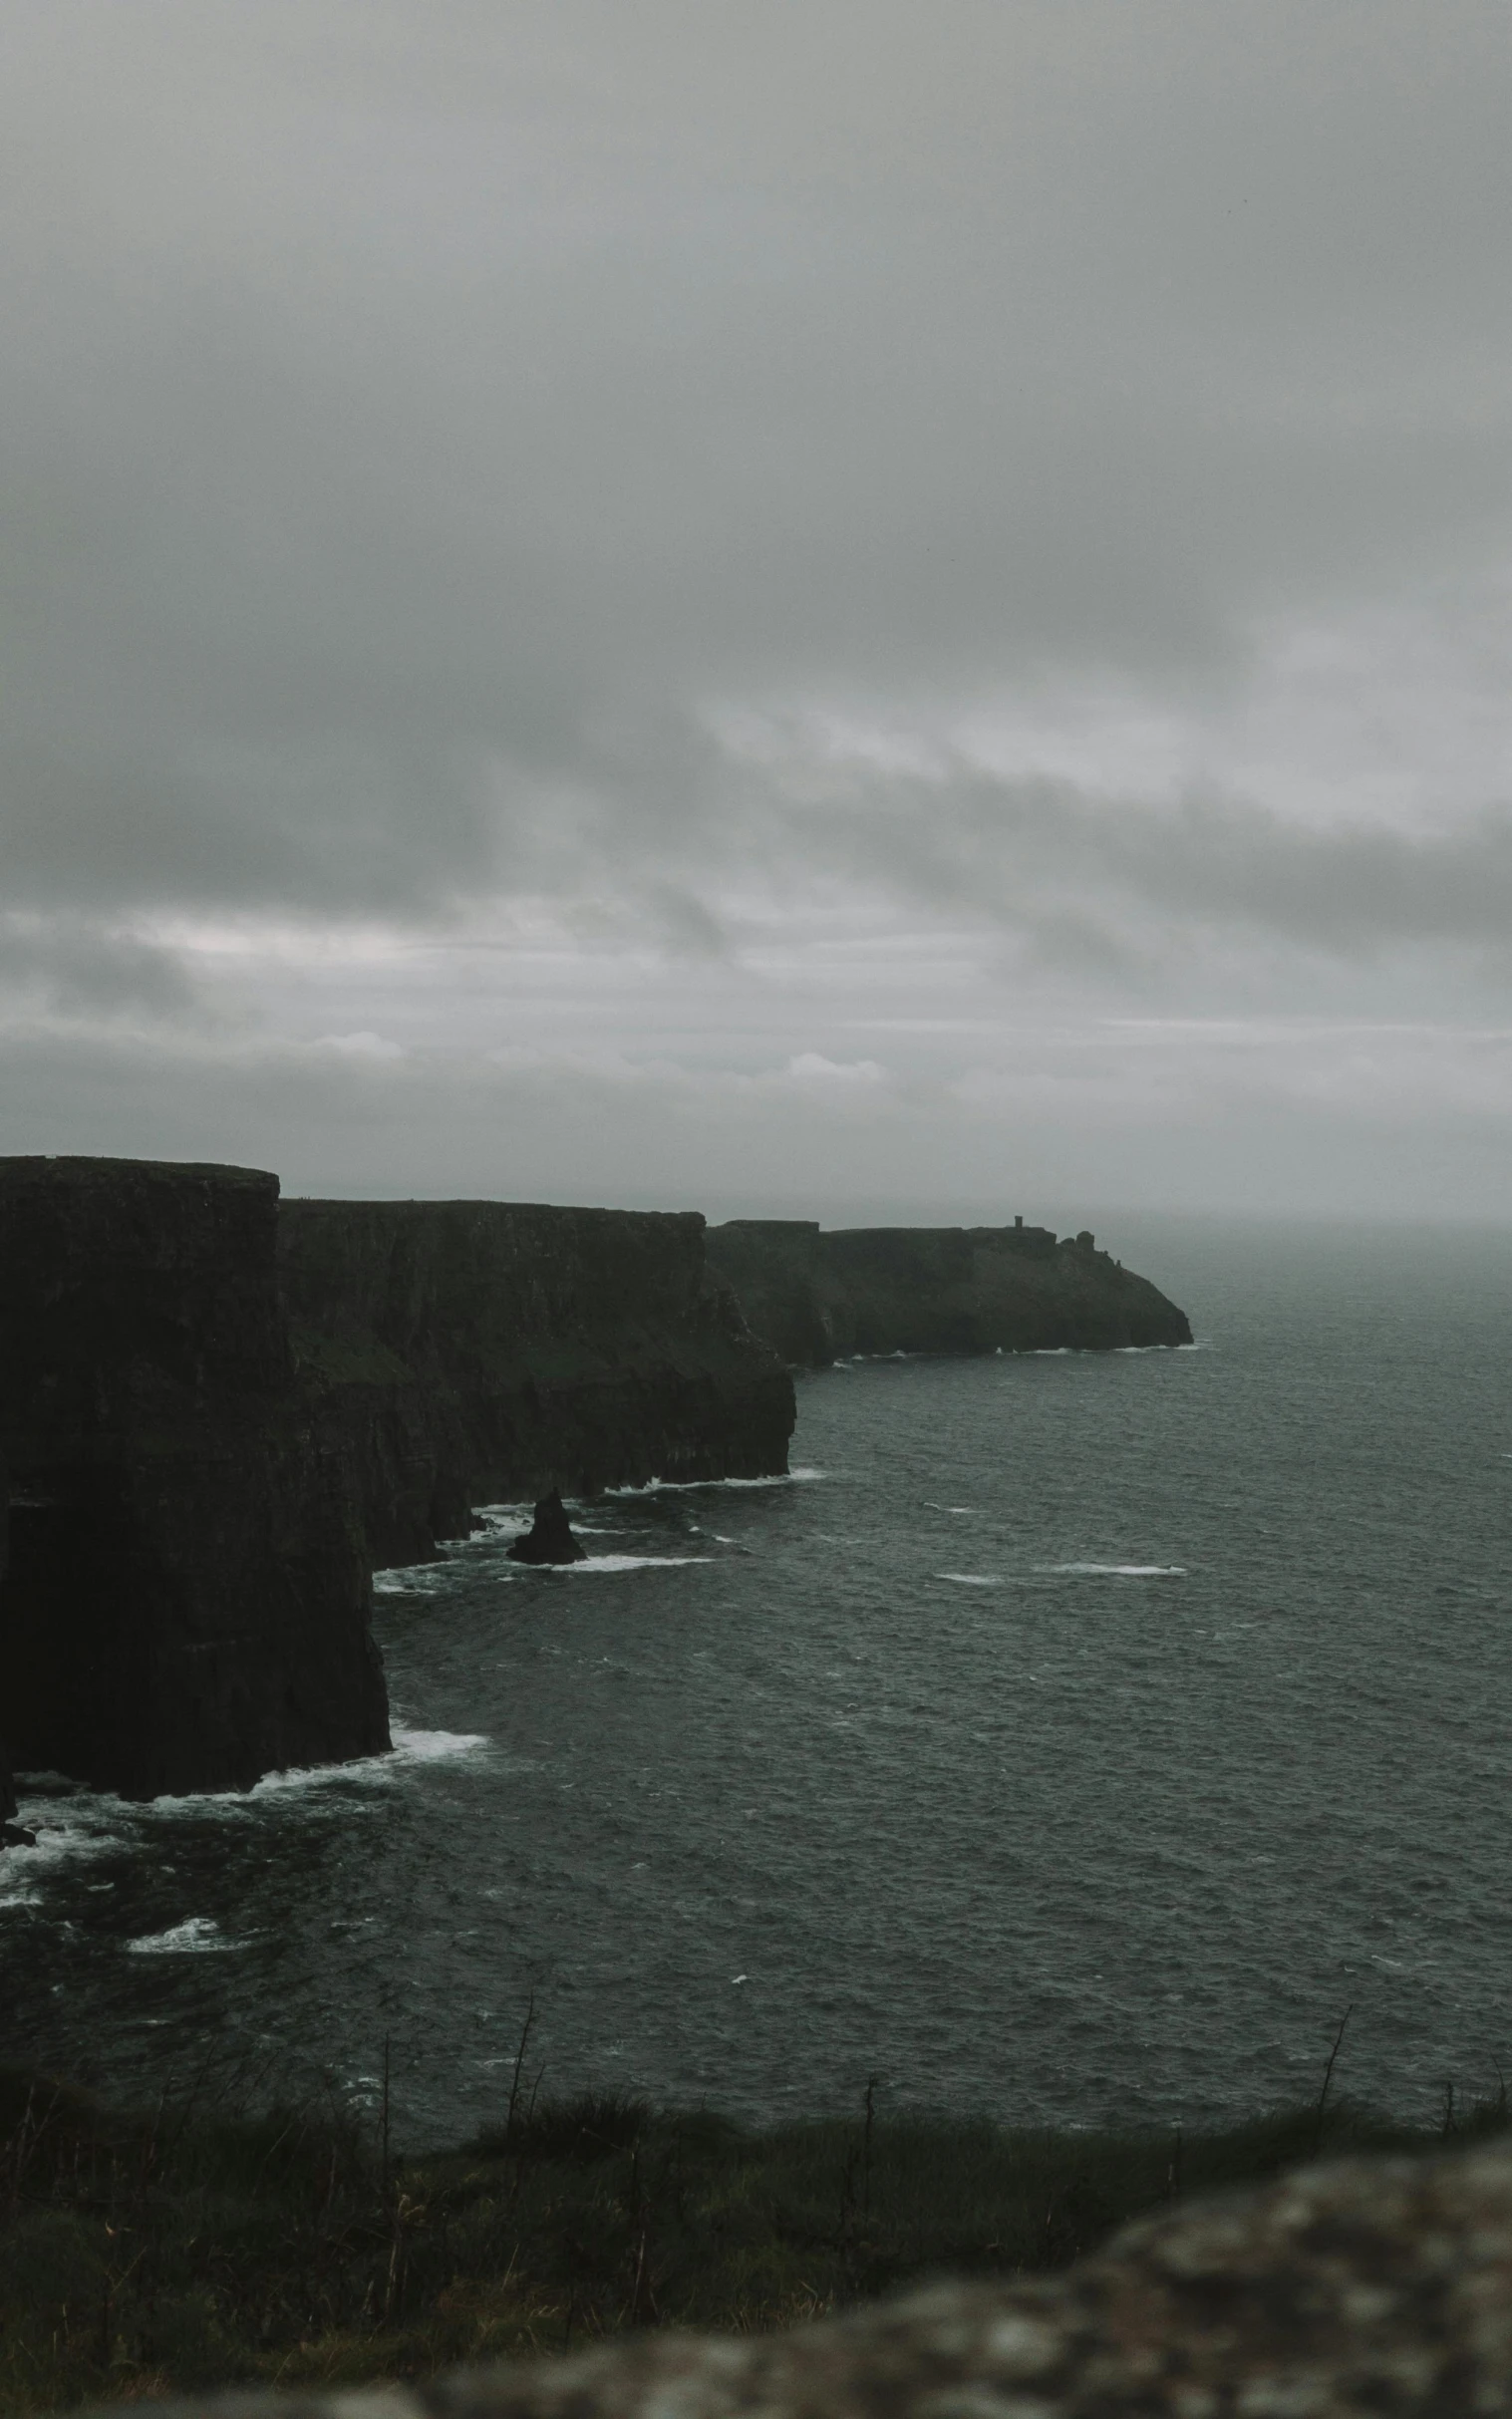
[1074, 1736]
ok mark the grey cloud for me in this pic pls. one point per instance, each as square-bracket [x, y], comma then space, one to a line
[1072, 870]
[71, 966]
[422, 430]
[395, 395]
[1346, 890]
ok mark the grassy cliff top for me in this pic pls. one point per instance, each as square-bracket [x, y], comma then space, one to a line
[185, 2249]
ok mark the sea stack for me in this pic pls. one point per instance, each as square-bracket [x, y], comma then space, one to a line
[549, 1538]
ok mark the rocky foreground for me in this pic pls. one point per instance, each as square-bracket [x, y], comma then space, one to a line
[1380, 2287]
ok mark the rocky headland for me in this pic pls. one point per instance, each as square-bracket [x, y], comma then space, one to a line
[820, 1297]
[186, 1603]
[462, 1352]
[218, 1413]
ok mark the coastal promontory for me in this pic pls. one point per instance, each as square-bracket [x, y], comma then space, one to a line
[818, 1297]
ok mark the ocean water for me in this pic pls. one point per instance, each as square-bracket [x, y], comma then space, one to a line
[1073, 1736]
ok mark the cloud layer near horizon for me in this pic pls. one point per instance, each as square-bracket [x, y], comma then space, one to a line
[838, 603]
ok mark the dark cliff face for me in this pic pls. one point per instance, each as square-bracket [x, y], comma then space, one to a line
[187, 1600]
[473, 1351]
[7, 1761]
[815, 1297]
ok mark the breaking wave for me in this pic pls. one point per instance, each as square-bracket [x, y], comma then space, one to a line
[198, 1934]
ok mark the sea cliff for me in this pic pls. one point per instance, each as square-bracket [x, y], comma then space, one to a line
[186, 1599]
[461, 1353]
[217, 1411]
[820, 1296]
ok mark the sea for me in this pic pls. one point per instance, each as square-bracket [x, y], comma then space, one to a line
[1075, 1738]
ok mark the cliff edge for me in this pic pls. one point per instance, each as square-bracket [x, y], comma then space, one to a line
[186, 1597]
[820, 1296]
[463, 1352]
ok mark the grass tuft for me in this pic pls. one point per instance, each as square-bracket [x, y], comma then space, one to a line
[183, 2249]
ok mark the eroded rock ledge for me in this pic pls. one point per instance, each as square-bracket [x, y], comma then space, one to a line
[818, 1297]
[1368, 2288]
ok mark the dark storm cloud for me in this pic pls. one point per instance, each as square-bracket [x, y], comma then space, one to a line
[412, 417]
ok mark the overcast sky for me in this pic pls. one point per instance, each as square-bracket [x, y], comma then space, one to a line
[828, 605]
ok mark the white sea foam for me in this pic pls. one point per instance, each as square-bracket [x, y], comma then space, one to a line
[970, 1579]
[632, 1562]
[690, 1486]
[411, 1578]
[195, 1936]
[75, 1827]
[1112, 1570]
[1200, 1347]
[68, 1830]
[409, 1748]
[436, 1746]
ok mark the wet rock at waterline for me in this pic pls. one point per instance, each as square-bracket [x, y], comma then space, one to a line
[549, 1538]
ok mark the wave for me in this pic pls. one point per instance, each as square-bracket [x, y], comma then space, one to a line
[411, 1578]
[1112, 1570]
[69, 1830]
[970, 1579]
[435, 1746]
[630, 1562]
[90, 1823]
[197, 1935]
